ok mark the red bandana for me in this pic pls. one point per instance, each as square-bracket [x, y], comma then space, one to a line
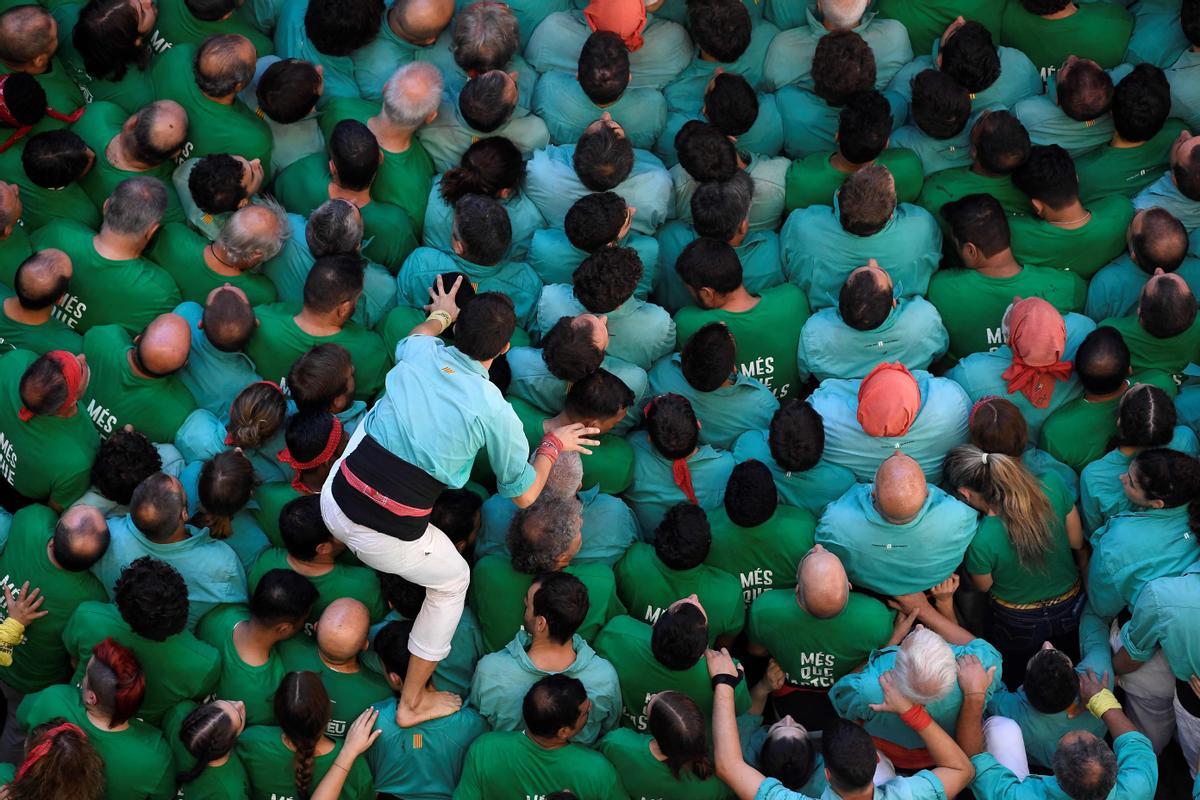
[21, 130]
[37, 753]
[72, 372]
[1037, 335]
[331, 446]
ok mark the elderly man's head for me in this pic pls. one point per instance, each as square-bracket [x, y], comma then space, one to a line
[28, 39]
[224, 65]
[842, 15]
[342, 630]
[135, 208]
[158, 507]
[926, 670]
[566, 476]
[42, 278]
[228, 321]
[1185, 164]
[254, 234]
[900, 489]
[162, 348]
[420, 22]
[412, 95]
[545, 536]
[822, 588]
[156, 133]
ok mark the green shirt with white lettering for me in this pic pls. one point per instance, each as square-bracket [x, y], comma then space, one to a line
[511, 765]
[342, 580]
[253, 684]
[647, 587]
[763, 557]
[179, 250]
[350, 693]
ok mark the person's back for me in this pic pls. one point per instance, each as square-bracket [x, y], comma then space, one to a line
[1051, 30]
[49, 169]
[1164, 332]
[1157, 241]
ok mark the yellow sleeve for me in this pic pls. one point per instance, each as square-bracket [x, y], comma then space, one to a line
[11, 633]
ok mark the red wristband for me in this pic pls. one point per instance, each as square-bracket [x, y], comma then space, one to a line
[553, 440]
[917, 718]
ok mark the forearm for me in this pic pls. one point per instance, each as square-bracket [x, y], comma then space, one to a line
[727, 747]
[969, 731]
[942, 748]
[541, 471]
[758, 697]
[330, 787]
[949, 630]
[1117, 723]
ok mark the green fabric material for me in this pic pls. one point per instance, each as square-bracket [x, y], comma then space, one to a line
[765, 556]
[226, 782]
[358, 583]
[269, 767]
[41, 206]
[1125, 171]
[1099, 29]
[53, 334]
[350, 693]
[813, 180]
[643, 775]
[1147, 352]
[179, 250]
[926, 20]
[254, 685]
[648, 587]
[509, 763]
[178, 25]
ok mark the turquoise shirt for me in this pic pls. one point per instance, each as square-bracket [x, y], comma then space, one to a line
[554, 187]
[1018, 79]
[759, 253]
[502, 679]
[568, 111]
[790, 56]
[555, 259]
[767, 204]
[293, 141]
[654, 490]
[895, 559]
[1101, 495]
[810, 124]
[248, 540]
[912, 334]
[609, 527]
[818, 254]
[853, 695]
[981, 375]
[213, 376]
[448, 136]
[1166, 195]
[523, 216]
[764, 138]
[439, 410]
[1137, 775]
[1164, 617]
[291, 41]
[455, 77]
[640, 332]
[423, 762]
[512, 278]
[533, 382]
[1114, 290]
[724, 413]
[936, 154]
[1134, 548]
[202, 436]
[1184, 77]
[556, 42]
[812, 490]
[1157, 35]
[922, 786]
[1042, 731]
[749, 65]
[210, 568]
[940, 426]
[1048, 124]
[454, 672]
[374, 63]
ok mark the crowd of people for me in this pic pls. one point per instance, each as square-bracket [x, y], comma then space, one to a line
[599, 399]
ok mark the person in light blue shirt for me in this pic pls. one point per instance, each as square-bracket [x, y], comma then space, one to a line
[1182, 75]
[640, 332]
[942, 119]
[217, 369]
[409, 30]
[481, 238]
[1074, 112]
[253, 422]
[294, 138]
[1156, 241]
[229, 469]
[328, 36]
[728, 101]
[555, 607]
[729, 39]
[671, 466]
[822, 245]
[897, 535]
[726, 402]
[1178, 189]
[870, 326]
[561, 174]
[156, 526]
[766, 206]
[789, 59]
[570, 103]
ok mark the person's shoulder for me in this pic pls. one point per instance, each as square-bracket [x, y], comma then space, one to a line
[1113, 206]
[105, 337]
[259, 737]
[623, 627]
[1104, 13]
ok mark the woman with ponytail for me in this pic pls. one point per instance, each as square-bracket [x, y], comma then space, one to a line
[223, 486]
[674, 761]
[996, 426]
[1027, 553]
[297, 759]
[59, 762]
[491, 167]
[202, 740]
[254, 424]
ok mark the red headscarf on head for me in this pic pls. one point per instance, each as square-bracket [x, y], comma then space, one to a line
[285, 455]
[73, 374]
[888, 400]
[39, 752]
[21, 130]
[625, 18]
[680, 472]
[1037, 335]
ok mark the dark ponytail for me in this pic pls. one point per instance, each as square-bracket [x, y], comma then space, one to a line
[1173, 478]
[681, 732]
[207, 734]
[487, 168]
[303, 710]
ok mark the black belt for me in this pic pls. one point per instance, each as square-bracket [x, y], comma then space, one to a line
[377, 489]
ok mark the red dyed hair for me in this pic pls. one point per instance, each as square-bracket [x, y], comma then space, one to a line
[130, 680]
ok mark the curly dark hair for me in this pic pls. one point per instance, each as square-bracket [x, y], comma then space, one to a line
[152, 598]
[125, 459]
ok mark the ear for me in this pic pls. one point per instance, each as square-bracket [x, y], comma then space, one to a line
[1039, 208]
[457, 246]
[432, 116]
[333, 169]
[744, 228]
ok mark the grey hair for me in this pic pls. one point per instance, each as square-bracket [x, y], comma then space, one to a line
[540, 534]
[925, 669]
[228, 71]
[842, 15]
[412, 93]
[136, 205]
[1086, 769]
[486, 36]
[333, 228]
[241, 241]
[565, 476]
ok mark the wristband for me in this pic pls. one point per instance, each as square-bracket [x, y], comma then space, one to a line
[442, 317]
[1102, 702]
[551, 447]
[727, 680]
[917, 718]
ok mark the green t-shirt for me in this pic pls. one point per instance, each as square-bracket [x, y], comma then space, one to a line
[814, 653]
[14, 249]
[954, 184]
[767, 335]
[359, 583]
[644, 776]
[610, 465]
[501, 614]
[279, 341]
[269, 765]
[253, 685]
[813, 180]
[41, 206]
[1101, 30]
[271, 498]
[763, 557]
[53, 334]
[350, 693]
[992, 552]
[404, 178]
[179, 250]
[116, 397]
[647, 587]
[926, 20]
[510, 764]
[178, 25]
[625, 642]
[972, 305]
[1037, 243]
[181, 667]
[1147, 352]
[24, 445]
[42, 659]
[1125, 171]
[137, 761]
[129, 293]
[226, 782]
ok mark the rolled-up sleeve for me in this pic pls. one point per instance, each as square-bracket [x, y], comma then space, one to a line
[508, 452]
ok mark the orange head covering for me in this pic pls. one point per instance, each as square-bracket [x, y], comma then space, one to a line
[625, 18]
[888, 400]
[1037, 335]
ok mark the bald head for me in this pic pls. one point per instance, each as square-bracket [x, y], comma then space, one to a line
[822, 588]
[80, 538]
[420, 22]
[224, 64]
[28, 37]
[163, 347]
[900, 488]
[42, 279]
[1157, 240]
[156, 132]
[342, 630]
[228, 320]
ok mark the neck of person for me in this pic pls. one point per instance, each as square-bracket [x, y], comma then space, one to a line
[1100, 398]
[253, 641]
[358, 197]
[220, 762]
[978, 169]
[226, 100]
[217, 259]
[392, 138]
[1001, 265]
[133, 366]
[179, 535]
[346, 667]
[317, 324]
[1066, 12]
[1121, 143]
[27, 68]
[317, 565]
[842, 164]
[1072, 215]
[324, 744]
[738, 300]
[26, 316]
[549, 655]
[546, 743]
[117, 246]
[100, 719]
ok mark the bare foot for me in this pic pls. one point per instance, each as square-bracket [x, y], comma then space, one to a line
[430, 705]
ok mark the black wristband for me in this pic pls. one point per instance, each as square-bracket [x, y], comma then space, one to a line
[727, 680]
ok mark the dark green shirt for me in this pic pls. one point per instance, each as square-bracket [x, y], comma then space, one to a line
[647, 587]
[179, 250]
[254, 685]
[763, 557]
[1037, 243]
[350, 693]
[270, 767]
[813, 180]
[1126, 171]
[508, 764]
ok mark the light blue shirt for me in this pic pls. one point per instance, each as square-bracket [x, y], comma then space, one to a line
[912, 334]
[523, 216]
[533, 382]
[922, 786]
[1048, 124]
[1101, 495]
[1165, 617]
[248, 539]
[813, 489]
[1134, 548]
[1042, 731]
[639, 332]
[790, 56]
[654, 491]
[512, 278]
[294, 140]
[759, 252]
[439, 410]
[557, 41]
[1184, 77]
[764, 138]
[213, 376]
[1166, 195]
[724, 413]
[937, 154]
[202, 436]
[448, 136]
[897, 558]
[555, 259]
[1018, 79]
[818, 254]
[1114, 290]
[767, 204]
[291, 41]
[810, 124]
[423, 762]
[1137, 775]
[568, 111]
[374, 63]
